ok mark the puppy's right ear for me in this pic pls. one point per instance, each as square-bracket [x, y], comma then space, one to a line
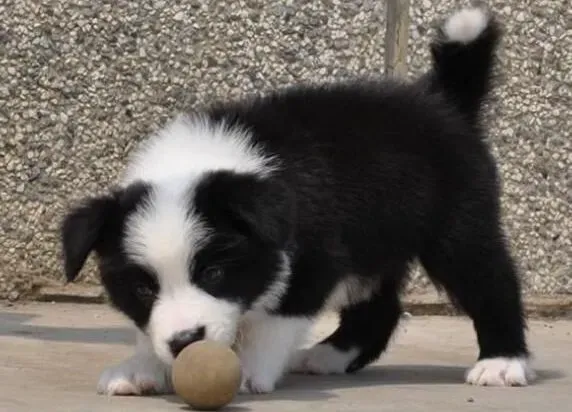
[81, 229]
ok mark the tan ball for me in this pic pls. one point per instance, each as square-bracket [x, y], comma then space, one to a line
[206, 375]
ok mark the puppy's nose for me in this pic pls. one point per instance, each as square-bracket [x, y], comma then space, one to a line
[184, 338]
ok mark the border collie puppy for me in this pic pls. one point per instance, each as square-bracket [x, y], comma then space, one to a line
[248, 219]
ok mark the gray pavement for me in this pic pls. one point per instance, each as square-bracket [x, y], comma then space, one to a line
[51, 356]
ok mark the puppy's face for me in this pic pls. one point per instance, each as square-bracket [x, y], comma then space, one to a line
[184, 260]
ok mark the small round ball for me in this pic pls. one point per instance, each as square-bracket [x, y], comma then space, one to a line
[206, 375]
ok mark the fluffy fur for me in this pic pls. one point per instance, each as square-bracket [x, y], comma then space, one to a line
[243, 222]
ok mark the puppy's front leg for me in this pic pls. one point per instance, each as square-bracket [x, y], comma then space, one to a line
[265, 347]
[141, 374]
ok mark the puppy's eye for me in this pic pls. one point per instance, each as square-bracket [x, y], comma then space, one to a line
[144, 292]
[212, 275]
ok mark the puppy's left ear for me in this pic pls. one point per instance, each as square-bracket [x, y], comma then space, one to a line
[80, 231]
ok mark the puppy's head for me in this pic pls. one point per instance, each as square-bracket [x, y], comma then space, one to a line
[185, 259]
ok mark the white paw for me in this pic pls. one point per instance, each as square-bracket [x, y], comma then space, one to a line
[322, 359]
[138, 375]
[256, 387]
[257, 383]
[500, 372]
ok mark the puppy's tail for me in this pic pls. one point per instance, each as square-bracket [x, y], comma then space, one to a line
[463, 59]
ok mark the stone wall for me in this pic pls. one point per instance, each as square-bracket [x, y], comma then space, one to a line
[82, 81]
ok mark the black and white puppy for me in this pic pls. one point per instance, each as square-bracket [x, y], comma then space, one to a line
[250, 218]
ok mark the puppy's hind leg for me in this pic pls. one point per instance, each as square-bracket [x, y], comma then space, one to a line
[473, 264]
[364, 332]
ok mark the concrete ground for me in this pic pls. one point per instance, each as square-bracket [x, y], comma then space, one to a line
[51, 356]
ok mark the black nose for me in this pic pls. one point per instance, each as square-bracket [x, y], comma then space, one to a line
[184, 338]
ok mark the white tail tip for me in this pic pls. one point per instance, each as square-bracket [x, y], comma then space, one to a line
[466, 25]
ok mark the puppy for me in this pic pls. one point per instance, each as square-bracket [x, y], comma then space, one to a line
[267, 211]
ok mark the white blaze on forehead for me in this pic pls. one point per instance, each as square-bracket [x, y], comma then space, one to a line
[163, 234]
[191, 145]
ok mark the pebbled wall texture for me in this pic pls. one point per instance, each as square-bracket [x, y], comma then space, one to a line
[82, 81]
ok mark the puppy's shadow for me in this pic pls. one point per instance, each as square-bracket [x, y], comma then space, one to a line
[377, 375]
[314, 388]
[382, 375]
